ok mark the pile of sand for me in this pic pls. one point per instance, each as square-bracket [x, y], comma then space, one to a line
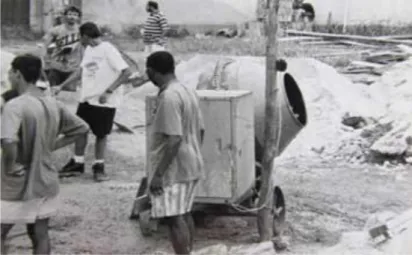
[6, 59]
[395, 86]
[328, 95]
[329, 98]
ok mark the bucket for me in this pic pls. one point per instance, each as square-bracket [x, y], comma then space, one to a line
[246, 74]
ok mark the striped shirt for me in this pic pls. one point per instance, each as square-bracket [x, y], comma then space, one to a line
[155, 26]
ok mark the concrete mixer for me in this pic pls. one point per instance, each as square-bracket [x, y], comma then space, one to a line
[232, 102]
[250, 74]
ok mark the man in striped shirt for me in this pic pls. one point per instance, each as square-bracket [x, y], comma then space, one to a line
[155, 29]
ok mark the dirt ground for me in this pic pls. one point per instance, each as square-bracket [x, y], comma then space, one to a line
[324, 199]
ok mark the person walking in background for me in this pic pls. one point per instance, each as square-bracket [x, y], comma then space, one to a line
[155, 29]
[33, 125]
[177, 163]
[303, 15]
[102, 72]
[63, 50]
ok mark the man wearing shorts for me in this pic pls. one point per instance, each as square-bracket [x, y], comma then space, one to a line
[102, 72]
[177, 164]
[64, 52]
[33, 125]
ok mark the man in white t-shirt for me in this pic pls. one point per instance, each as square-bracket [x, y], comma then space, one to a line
[102, 72]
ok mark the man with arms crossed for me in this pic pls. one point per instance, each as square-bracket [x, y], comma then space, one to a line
[177, 164]
[30, 127]
[64, 52]
[102, 72]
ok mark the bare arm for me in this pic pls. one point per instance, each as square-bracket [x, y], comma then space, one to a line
[65, 140]
[48, 39]
[172, 147]
[71, 128]
[74, 77]
[123, 78]
[9, 155]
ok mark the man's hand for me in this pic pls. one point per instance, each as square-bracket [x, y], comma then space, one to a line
[56, 90]
[156, 186]
[103, 98]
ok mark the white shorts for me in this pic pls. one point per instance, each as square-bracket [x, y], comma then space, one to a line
[151, 48]
[176, 199]
[27, 212]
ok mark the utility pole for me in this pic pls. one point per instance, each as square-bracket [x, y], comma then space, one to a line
[265, 217]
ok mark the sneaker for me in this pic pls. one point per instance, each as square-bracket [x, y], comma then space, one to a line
[98, 173]
[72, 169]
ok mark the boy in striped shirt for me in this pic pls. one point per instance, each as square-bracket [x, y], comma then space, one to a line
[155, 29]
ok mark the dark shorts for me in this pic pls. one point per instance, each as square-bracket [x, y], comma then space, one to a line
[57, 77]
[100, 119]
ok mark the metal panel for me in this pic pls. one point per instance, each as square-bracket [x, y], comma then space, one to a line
[217, 150]
[15, 12]
[228, 148]
[244, 143]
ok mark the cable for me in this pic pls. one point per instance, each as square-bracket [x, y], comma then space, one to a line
[241, 208]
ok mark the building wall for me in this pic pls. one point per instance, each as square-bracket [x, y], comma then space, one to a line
[392, 12]
[15, 12]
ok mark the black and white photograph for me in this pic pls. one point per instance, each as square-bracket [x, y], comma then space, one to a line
[206, 127]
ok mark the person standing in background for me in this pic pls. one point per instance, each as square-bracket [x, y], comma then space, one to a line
[63, 50]
[303, 15]
[155, 29]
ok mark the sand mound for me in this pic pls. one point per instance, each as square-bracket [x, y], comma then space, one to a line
[329, 98]
[6, 59]
[395, 86]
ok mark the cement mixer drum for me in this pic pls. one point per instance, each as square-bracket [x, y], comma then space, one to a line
[246, 74]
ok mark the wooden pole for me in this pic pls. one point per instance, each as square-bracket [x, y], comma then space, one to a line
[265, 217]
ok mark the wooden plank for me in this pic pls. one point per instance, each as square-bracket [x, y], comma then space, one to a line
[366, 64]
[358, 44]
[405, 48]
[265, 220]
[344, 37]
[123, 127]
[341, 53]
[318, 43]
[392, 227]
[298, 38]
[396, 37]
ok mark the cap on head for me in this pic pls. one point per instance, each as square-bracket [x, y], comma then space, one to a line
[90, 29]
[29, 66]
[161, 62]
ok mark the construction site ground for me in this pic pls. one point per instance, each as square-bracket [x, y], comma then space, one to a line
[324, 198]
